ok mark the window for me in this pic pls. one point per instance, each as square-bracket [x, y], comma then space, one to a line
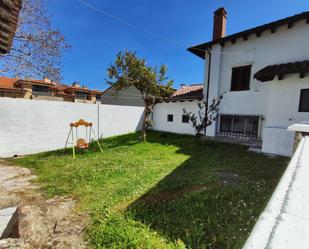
[98, 97]
[41, 90]
[170, 117]
[239, 126]
[304, 100]
[81, 95]
[185, 119]
[241, 78]
[36, 88]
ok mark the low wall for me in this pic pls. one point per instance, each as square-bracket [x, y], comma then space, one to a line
[278, 140]
[31, 126]
[284, 222]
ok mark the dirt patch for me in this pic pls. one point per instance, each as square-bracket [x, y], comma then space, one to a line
[41, 223]
[228, 178]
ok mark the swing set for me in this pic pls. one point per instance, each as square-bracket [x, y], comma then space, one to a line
[81, 143]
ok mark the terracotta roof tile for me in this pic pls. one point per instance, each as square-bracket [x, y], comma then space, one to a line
[187, 89]
[14, 83]
[8, 84]
[188, 93]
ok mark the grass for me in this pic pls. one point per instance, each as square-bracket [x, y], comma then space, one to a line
[164, 193]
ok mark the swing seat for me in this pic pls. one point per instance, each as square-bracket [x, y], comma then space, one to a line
[82, 144]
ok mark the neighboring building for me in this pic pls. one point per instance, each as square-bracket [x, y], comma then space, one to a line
[129, 97]
[46, 90]
[169, 116]
[82, 94]
[262, 72]
[9, 12]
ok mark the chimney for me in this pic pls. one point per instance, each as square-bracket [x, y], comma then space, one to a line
[75, 84]
[46, 79]
[219, 23]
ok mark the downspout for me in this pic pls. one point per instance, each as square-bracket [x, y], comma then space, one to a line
[207, 88]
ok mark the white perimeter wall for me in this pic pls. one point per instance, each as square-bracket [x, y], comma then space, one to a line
[31, 126]
[176, 108]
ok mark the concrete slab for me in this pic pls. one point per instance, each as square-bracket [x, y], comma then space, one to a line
[8, 217]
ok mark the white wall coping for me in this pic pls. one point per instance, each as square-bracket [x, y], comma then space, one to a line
[299, 127]
[284, 222]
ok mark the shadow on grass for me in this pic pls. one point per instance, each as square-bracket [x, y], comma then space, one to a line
[191, 204]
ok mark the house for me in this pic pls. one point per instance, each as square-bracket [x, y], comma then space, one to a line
[8, 22]
[46, 89]
[127, 97]
[82, 94]
[169, 116]
[263, 72]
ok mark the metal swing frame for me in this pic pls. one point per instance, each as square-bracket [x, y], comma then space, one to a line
[88, 126]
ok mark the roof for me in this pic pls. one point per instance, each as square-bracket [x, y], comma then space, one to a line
[9, 12]
[7, 84]
[36, 82]
[79, 89]
[199, 50]
[15, 84]
[268, 73]
[188, 93]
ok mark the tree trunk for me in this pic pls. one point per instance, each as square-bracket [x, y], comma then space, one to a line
[143, 131]
[144, 125]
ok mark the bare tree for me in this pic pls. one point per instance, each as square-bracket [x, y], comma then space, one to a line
[205, 115]
[37, 48]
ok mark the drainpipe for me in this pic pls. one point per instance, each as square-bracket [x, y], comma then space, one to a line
[207, 87]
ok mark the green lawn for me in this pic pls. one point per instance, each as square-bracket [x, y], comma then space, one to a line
[164, 193]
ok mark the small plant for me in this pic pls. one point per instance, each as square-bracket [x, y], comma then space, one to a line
[205, 116]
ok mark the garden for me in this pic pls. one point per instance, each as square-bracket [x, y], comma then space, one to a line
[173, 191]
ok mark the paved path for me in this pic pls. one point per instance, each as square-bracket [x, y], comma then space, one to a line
[41, 223]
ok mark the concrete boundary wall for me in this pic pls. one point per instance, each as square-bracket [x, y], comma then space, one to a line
[32, 126]
[284, 222]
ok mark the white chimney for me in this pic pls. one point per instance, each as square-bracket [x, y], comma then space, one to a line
[46, 79]
[75, 84]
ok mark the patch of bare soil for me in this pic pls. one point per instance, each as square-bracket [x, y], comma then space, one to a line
[228, 178]
[41, 223]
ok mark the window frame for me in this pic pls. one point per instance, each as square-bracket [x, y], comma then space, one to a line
[239, 126]
[239, 85]
[186, 117]
[300, 105]
[168, 118]
[81, 95]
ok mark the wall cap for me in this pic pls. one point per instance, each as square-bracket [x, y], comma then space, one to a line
[299, 127]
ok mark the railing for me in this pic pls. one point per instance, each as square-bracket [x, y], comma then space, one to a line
[239, 126]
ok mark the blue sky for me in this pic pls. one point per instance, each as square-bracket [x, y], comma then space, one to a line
[97, 38]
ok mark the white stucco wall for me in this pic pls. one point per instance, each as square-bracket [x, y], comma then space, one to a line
[276, 100]
[31, 126]
[176, 108]
[284, 222]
